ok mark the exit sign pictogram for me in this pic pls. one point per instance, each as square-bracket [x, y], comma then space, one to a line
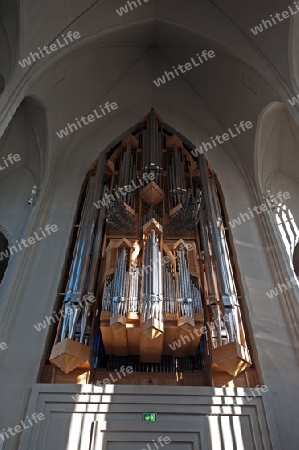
[150, 417]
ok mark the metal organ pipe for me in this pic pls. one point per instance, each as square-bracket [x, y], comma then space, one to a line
[107, 298]
[76, 273]
[229, 297]
[133, 304]
[212, 223]
[152, 156]
[152, 140]
[160, 279]
[216, 220]
[196, 295]
[184, 285]
[180, 180]
[152, 298]
[94, 249]
[218, 239]
[87, 302]
[208, 201]
[208, 264]
[119, 298]
[186, 218]
[169, 289]
[81, 280]
[97, 247]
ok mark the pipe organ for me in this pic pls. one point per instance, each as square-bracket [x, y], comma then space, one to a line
[151, 274]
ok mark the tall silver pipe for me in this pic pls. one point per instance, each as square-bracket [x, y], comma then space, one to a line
[152, 298]
[119, 297]
[88, 301]
[90, 235]
[134, 289]
[229, 298]
[218, 239]
[91, 267]
[146, 152]
[70, 318]
[100, 216]
[171, 182]
[196, 295]
[79, 269]
[217, 321]
[208, 264]
[216, 222]
[169, 289]
[152, 139]
[184, 285]
[107, 297]
[143, 155]
[82, 244]
[212, 223]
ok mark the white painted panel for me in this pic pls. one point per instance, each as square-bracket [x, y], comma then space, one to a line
[56, 436]
[184, 415]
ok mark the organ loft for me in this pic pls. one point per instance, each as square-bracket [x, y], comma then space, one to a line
[150, 279]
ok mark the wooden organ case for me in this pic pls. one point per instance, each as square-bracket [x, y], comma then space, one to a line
[151, 275]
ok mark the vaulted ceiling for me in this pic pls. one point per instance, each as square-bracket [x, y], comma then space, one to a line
[118, 57]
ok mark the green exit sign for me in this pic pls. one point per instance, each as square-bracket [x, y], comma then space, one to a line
[150, 417]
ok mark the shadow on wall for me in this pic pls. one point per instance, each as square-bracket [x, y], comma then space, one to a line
[4, 261]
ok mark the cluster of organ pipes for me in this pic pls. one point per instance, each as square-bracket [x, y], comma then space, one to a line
[151, 214]
[180, 193]
[224, 305]
[187, 217]
[168, 364]
[188, 210]
[79, 298]
[119, 218]
[122, 290]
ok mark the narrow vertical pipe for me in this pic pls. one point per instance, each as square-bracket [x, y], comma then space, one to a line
[211, 219]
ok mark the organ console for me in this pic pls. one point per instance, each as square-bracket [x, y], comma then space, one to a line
[152, 265]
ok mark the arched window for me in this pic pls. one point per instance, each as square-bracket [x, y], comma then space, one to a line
[287, 227]
[4, 255]
[296, 259]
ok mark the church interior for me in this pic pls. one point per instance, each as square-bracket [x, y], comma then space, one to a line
[149, 240]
